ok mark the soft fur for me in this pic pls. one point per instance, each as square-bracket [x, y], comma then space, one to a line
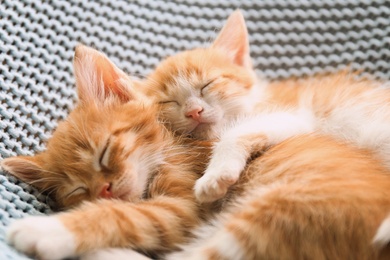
[309, 197]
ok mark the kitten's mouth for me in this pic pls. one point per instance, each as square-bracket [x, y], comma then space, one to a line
[199, 126]
[202, 126]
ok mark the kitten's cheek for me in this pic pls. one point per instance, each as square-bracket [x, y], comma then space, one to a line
[44, 237]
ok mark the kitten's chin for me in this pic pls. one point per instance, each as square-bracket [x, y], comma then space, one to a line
[205, 131]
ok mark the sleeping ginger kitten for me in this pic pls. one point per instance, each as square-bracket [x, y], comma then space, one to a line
[289, 203]
[213, 92]
[110, 147]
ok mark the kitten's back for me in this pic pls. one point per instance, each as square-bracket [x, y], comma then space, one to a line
[316, 197]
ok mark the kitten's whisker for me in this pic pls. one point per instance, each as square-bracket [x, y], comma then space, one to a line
[52, 172]
[43, 180]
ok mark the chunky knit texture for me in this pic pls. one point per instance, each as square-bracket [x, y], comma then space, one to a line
[37, 40]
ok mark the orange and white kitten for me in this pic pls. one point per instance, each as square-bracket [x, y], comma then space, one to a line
[214, 93]
[111, 146]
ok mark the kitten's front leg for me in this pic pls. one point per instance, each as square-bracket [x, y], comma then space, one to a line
[47, 238]
[247, 136]
[155, 225]
[43, 237]
[228, 160]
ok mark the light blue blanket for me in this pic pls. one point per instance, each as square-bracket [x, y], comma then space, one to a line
[37, 39]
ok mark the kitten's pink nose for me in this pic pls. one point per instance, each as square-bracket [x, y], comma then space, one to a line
[194, 113]
[106, 191]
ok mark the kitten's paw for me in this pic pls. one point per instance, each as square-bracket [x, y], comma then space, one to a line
[114, 253]
[43, 237]
[213, 186]
[227, 162]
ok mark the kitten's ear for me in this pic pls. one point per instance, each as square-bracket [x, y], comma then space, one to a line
[233, 39]
[26, 168]
[98, 78]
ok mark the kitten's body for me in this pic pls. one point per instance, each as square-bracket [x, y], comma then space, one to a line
[309, 197]
[350, 109]
[353, 111]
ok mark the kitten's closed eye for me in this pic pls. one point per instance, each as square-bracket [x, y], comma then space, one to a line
[77, 191]
[169, 102]
[104, 156]
[201, 93]
[205, 86]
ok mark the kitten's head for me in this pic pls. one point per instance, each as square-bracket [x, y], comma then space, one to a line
[106, 148]
[201, 90]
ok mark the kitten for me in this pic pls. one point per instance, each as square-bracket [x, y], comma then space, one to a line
[213, 92]
[309, 197]
[111, 146]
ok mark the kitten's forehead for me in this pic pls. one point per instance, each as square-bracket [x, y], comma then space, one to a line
[90, 125]
[188, 69]
[188, 82]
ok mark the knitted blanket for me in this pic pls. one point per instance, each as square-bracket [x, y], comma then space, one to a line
[37, 40]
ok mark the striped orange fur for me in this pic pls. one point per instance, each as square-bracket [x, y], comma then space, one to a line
[309, 197]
